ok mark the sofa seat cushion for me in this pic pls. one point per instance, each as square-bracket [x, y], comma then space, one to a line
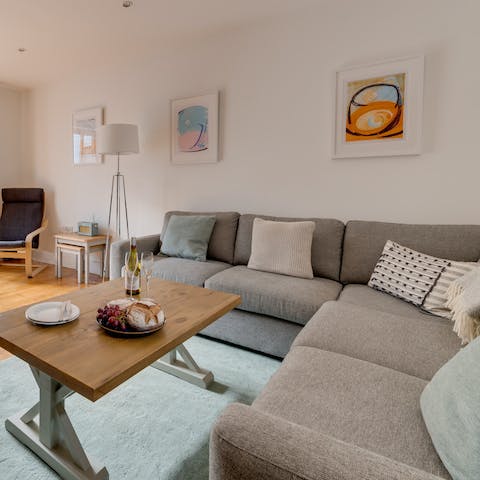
[365, 296]
[290, 298]
[408, 345]
[360, 403]
[186, 271]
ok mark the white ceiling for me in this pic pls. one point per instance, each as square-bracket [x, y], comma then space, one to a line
[63, 36]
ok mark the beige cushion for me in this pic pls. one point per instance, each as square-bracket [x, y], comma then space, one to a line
[282, 247]
[435, 301]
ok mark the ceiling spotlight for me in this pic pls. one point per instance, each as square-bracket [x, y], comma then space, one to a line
[127, 3]
[22, 50]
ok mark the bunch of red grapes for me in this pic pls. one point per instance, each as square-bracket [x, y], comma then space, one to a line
[112, 316]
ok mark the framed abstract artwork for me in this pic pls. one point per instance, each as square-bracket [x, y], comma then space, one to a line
[379, 109]
[84, 124]
[195, 130]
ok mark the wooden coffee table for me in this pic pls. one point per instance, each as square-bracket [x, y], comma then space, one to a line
[81, 357]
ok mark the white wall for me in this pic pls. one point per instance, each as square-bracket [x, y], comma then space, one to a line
[277, 87]
[10, 138]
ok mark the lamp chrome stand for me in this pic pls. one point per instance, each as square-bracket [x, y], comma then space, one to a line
[118, 186]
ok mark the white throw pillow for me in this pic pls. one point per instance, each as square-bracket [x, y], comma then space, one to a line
[282, 247]
[435, 301]
[406, 273]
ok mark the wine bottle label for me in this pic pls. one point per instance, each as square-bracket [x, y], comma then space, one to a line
[132, 281]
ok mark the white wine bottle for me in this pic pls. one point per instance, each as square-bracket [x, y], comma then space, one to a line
[132, 270]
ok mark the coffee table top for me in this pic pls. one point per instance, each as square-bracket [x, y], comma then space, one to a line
[83, 357]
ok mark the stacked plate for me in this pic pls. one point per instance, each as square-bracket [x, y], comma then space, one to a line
[52, 313]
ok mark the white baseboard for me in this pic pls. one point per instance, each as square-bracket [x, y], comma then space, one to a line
[45, 256]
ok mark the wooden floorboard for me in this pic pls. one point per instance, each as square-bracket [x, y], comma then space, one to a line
[17, 290]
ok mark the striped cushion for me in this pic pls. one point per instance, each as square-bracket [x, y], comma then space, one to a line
[436, 299]
[405, 273]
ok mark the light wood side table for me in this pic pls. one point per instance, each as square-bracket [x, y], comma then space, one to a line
[89, 245]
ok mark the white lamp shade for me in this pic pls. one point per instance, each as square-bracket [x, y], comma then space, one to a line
[117, 138]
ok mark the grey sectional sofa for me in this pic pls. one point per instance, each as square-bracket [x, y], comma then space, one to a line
[344, 404]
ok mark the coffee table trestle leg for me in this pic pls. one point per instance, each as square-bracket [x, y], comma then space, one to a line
[186, 369]
[53, 437]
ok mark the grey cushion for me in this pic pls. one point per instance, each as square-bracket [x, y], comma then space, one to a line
[450, 405]
[368, 297]
[186, 271]
[254, 331]
[247, 444]
[11, 244]
[281, 296]
[360, 403]
[326, 245]
[188, 236]
[364, 242]
[408, 345]
[222, 242]
[22, 213]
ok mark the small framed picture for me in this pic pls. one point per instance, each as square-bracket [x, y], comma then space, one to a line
[379, 109]
[194, 125]
[84, 124]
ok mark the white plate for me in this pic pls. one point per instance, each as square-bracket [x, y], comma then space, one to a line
[48, 313]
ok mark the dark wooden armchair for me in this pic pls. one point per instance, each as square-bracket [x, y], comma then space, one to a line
[22, 220]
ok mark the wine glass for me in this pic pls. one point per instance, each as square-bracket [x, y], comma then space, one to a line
[131, 265]
[147, 267]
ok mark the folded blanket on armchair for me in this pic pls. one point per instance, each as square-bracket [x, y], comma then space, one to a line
[463, 299]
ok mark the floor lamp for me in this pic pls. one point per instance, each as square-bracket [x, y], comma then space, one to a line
[116, 139]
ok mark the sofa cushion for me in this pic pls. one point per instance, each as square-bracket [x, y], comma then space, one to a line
[364, 242]
[222, 242]
[282, 247]
[326, 244]
[291, 298]
[187, 236]
[406, 273]
[449, 405]
[360, 403]
[409, 345]
[261, 333]
[368, 297]
[247, 444]
[186, 271]
[436, 301]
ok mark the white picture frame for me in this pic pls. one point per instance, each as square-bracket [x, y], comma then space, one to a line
[389, 128]
[84, 124]
[194, 129]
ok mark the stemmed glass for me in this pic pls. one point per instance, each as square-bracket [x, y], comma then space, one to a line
[147, 267]
[130, 269]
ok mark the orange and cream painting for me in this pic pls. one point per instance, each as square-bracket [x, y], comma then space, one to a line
[375, 108]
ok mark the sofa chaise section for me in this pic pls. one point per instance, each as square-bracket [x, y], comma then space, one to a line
[324, 415]
[345, 403]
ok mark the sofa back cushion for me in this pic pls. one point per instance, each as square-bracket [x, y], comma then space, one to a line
[364, 242]
[222, 242]
[326, 244]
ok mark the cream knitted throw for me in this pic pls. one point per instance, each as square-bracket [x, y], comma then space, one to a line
[463, 299]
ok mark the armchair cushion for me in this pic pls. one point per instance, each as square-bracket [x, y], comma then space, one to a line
[22, 213]
[11, 244]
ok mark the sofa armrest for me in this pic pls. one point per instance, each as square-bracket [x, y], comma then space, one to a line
[119, 248]
[248, 444]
